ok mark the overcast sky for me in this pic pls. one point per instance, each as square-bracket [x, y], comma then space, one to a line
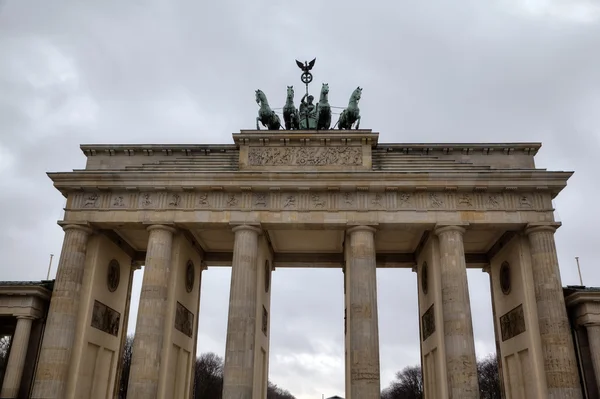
[177, 71]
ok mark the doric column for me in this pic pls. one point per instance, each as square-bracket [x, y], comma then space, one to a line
[593, 332]
[238, 371]
[557, 343]
[152, 310]
[456, 308]
[362, 317]
[59, 335]
[16, 360]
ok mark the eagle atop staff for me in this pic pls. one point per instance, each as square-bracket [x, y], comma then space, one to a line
[307, 66]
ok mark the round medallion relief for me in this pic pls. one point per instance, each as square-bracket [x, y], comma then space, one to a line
[267, 275]
[424, 277]
[113, 275]
[189, 276]
[505, 278]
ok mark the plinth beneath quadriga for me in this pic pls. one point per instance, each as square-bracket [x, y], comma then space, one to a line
[277, 199]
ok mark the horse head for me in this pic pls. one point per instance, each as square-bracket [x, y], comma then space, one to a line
[290, 92]
[258, 96]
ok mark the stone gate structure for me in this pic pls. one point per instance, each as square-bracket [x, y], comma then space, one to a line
[277, 199]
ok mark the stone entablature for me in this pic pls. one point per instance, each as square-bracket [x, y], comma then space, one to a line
[389, 199]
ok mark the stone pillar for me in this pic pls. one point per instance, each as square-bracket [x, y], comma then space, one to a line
[456, 308]
[59, 335]
[152, 310]
[362, 314]
[593, 332]
[16, 359]
[557, 343]
[238, 370]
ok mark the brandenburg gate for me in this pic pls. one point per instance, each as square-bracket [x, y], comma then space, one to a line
[306, 196]
[299, 198]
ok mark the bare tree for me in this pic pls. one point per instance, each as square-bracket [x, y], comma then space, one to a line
[208, 377]
[408, 385]
[409, 382]
[274, 392]
[127, 352]
[489, 379]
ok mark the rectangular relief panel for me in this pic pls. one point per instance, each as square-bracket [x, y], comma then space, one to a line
[105, 319]
[428, 323]
[512, 323]
[184, 320]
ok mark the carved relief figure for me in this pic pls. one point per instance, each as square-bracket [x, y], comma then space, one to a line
[317, 201]
[493, 201]
[175, 198]
[119, 201]
[465, 199]
[146, 199]
[436, 201]
[377, 200]
[348, 198]
[305, 156]
[90, 200]
[203, 199]
[524, 201]
[261, 199]
[290, 201]
[404, 198]
[232, 200]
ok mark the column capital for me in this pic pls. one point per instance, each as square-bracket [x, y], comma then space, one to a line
[165, 227]
[251, 227]
[538, 227]
[445, 227]
[486, 269]
[85, 227]
[203, 265]
[362, 227]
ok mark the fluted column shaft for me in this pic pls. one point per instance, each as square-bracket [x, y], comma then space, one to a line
[456, 308]
[59, 336]
[593, 331]
[363, 320]
[152, 310]
[557, 343]
[16, 360]
[238, 371]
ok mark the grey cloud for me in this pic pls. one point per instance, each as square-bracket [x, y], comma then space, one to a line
[186, 71]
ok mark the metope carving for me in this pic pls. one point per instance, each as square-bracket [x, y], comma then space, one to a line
[435, 200]
[404, 199]
[493, 201]
[203, 200]
[119, 201]
[317, 201]
[146, 200]
[428, 323]
[348, 199]
[91, 201]
[261, 200]
[524, 202]
[105, 319]
[305, 156]
[512, 323]
[175, 200]
[184, 320]
[232, 200]
[290, 201]
[465, 200]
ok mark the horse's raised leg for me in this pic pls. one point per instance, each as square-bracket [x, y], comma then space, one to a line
[358, 122]
[257, 120]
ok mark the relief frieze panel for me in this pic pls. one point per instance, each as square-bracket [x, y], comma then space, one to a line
[305, 200]
[305, 156]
